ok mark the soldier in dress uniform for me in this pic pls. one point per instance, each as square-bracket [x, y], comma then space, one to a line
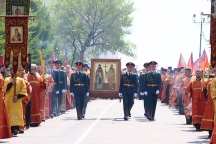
[79, 88]
[141, 80]
[62, 86]
[55, 91]
[152, 86]
[128, 89]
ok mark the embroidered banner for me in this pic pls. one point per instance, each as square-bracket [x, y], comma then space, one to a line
[17, 7]
[213, 41]
[16, 39]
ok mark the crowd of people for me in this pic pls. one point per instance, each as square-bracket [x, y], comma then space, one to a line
[28, 99]
[193, 95]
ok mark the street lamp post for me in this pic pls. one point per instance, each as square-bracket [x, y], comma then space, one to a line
[202, 20]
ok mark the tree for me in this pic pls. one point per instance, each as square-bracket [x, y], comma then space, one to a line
[2, 28]
[94, 26]
[40, 31]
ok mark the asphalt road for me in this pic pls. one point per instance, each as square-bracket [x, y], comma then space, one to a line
[104, 124]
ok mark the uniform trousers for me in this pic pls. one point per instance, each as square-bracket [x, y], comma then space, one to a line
[128, 101]
[53, 103]
[79, 100]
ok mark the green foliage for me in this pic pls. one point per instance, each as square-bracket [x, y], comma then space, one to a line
[40, 32]
[92, 27]
[2, 31]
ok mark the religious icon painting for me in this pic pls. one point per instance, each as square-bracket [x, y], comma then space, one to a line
[105, 74]
[16, 34]
[18, 10]
[17, 7]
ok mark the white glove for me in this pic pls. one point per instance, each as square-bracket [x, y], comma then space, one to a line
[57, 92]
[120, 94]
[72, 94]
[142, 93]
[63, 91]
[146, 93]
[157, 92]
[87, 94]
[135, 95]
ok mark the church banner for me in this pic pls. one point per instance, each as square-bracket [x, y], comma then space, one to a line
[105, 78]
[213, 41]
[16, 40]
[17, 7]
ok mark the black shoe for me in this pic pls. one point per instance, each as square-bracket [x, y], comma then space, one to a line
[152, 119]
[51, 115]
[126, 118]
[148, 117]
[188, 123]
[129, 114]
[79, 118]
[83, 116]
[145, 115]
[198, 129]
[21, 132]
[15, 132]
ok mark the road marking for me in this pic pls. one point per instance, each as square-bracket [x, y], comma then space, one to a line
[93, 124]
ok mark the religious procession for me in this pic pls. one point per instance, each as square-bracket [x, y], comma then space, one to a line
[92, 72]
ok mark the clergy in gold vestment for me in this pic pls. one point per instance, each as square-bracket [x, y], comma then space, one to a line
[25, 101]
[195, 91]
[15, 91]
[213, 96]
[5, 129]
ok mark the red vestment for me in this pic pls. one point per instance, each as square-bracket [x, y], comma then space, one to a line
[164, 89]
[163, 77]
[198, 100]
[208, 118]
[69, 101]
[185, 99]
[47, 101]
[35, 81]
[173, 92]
[5, 128]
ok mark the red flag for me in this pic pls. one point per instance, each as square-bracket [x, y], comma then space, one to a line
[53, 57]
[203, 60]
[181, 62]
[196, 65]
[190, 62]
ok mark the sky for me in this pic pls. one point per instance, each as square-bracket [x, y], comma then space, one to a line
[162, 29]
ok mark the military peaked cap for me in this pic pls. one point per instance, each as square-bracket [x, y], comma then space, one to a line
[51, 62]
[153, 62]
[130, 64]
[146, 64]
[79, 63]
